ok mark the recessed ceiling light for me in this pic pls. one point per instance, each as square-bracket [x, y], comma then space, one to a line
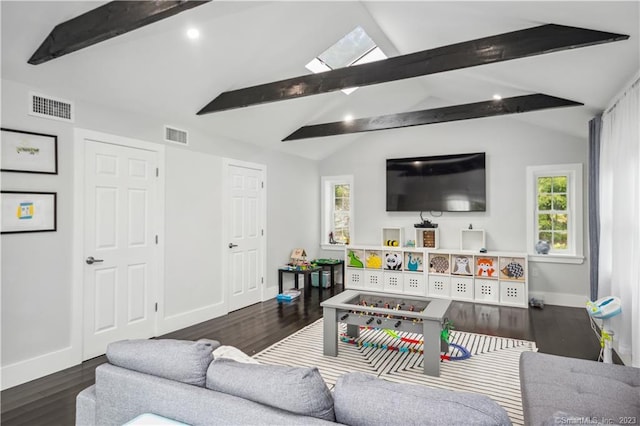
[348, 118]
[193, 33]
[497, 97]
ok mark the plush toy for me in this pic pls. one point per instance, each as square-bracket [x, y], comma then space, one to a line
[393, 261]
[485, 267]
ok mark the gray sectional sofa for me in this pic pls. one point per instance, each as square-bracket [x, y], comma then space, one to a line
[561, 390]
[180, 380]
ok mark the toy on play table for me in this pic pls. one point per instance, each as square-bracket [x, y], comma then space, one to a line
[298, 261]
[447, 326]
[298, 257]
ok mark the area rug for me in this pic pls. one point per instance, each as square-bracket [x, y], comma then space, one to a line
[492, 369]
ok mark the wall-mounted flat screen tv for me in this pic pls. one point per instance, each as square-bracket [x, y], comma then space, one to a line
[446, 183]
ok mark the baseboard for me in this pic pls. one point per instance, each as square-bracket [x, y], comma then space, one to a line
[625, 358]
[40, 366]
[560, 299]
[270, 293]
[195, 316]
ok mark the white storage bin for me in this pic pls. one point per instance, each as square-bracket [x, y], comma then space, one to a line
[354, 278]
[415, 284]
[373, 280]
[393, 282]
[439, 286]
[462, 288]
[512, 293]
[486, 290]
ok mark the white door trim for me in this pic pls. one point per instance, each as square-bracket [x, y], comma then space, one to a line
[77, 266]
[226, 162]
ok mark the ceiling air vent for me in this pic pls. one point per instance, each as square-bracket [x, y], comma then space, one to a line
[171, 134]
[48, 107]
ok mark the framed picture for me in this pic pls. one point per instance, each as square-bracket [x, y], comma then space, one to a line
[28, 152]
[28, 212]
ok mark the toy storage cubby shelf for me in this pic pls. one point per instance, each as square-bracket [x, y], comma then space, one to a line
[392, 237]
[495, 277]
[428, 238]
[472, 239]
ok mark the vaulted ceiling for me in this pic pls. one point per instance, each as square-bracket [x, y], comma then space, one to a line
[156, 70]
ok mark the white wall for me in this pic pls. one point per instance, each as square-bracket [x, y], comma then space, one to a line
[510, 145]
[37, 300]
[192, 238]
[36, 273]
[37, 331]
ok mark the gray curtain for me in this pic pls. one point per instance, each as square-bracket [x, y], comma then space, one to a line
[595, 126]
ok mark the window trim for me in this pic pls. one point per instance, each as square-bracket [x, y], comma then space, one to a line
[575, 208]
[326, 184]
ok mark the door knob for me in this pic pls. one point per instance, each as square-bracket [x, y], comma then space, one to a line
[90, 260]
[231, 245]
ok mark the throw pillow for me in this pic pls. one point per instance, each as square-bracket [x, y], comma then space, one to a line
[295, 389]
[361, 399]
[180, 360]
[231, 352]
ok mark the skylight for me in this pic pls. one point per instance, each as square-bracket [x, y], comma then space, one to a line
[353, 49]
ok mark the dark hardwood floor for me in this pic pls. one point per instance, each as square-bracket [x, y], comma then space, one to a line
[556, 330]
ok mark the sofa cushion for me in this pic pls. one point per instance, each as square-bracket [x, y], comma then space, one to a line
[361, 399]
[295, 389]
[124, 394]
[585, 389]
[181, 360]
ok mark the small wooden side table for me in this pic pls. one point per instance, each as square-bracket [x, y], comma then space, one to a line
[331, 264]
[296, 272]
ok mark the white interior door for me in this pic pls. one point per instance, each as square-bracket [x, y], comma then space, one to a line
[120, 201]
[244, 229]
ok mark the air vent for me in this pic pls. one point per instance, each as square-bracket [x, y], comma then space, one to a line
[171, 134]
[48, 107]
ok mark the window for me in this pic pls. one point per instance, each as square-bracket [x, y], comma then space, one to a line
[337, 211]
[554, 212]
[353, 49]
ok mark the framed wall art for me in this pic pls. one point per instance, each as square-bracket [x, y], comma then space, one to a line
[29, 152]
[28, 212]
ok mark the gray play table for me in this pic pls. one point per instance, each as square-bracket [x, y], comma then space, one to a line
[416, 314]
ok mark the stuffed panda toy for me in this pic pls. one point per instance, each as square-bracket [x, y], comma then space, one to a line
[393, 261]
